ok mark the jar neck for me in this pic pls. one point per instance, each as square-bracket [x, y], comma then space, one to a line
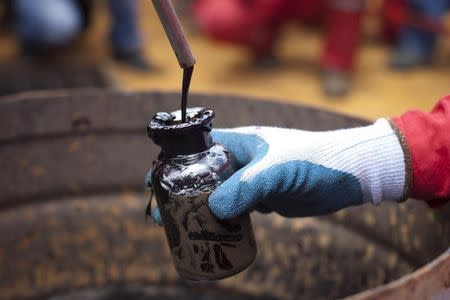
[185, 144]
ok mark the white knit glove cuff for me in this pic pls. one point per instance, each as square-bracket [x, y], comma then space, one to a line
[375, 156]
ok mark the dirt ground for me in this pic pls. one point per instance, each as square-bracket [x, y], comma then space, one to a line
[376, 92]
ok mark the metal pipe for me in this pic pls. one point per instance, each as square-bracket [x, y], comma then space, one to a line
[174, 31]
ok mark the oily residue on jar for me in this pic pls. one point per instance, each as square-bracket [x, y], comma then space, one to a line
[194, 174]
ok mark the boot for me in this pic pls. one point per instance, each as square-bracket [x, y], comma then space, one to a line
[268, 62]
[136, 61]
[336, 83]
[403, 59]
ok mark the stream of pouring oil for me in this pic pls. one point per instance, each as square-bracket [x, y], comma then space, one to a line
[187, 75]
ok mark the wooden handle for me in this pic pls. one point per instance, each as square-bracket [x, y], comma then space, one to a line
[174, 32]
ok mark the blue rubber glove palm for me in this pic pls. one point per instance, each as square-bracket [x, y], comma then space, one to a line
[300, 173]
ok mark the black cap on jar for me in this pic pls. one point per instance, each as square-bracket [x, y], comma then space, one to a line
[178, 138]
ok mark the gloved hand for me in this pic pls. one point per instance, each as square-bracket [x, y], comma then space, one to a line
[300, 173]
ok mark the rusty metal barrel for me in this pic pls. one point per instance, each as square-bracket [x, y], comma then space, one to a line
[72, 208]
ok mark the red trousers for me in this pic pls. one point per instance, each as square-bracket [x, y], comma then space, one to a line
[394, 14]
[256, 24]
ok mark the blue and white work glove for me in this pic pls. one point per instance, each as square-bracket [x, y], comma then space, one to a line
[301, 173]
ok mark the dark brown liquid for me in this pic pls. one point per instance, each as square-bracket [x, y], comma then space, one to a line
[202, 246]
[189, 167]
[187, 75]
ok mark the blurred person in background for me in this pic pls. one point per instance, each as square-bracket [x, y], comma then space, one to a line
[418, 22]
[256, 24]
[46, 25]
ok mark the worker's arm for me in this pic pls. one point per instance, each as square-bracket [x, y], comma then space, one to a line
[298, 173]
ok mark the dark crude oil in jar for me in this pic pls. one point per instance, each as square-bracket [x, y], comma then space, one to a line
[189, 167]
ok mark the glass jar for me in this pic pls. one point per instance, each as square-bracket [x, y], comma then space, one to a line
[189, 167]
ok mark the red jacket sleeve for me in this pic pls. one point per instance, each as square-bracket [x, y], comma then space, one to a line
[428, 139]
